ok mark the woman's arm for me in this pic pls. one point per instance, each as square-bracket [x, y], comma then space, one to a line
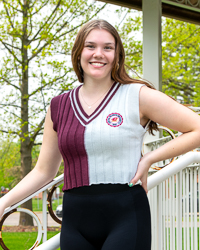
[45, 170]
[164, 110]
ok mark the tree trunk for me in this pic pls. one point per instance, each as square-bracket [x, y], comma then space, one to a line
[26, 146]
[26, 162]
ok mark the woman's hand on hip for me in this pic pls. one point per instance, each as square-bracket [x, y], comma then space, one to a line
[142, 172]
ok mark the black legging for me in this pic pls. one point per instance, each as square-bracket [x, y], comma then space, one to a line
[106, 217]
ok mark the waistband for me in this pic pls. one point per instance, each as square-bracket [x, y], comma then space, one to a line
[96, 189]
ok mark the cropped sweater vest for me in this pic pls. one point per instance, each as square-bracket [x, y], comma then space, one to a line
[104, 147]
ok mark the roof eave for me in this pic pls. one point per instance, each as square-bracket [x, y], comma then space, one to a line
[179, 12]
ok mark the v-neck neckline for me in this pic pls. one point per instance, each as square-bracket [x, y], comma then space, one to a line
[80, 113]
[97, 108]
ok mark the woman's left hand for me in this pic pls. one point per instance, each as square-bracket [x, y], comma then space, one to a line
[142, 172]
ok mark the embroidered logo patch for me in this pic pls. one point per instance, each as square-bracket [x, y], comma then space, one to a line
[114, 120]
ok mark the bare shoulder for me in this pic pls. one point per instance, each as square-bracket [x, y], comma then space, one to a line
[151, 99]
[152, 95]
[162, 109]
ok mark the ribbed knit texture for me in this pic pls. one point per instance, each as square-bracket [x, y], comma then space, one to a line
[104, 147]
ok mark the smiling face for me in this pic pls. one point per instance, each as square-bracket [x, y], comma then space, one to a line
[98, 55]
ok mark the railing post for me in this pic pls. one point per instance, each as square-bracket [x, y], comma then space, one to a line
[195, 211]
[152, 196]
[159, 217]
[179, 210]
[44, 214]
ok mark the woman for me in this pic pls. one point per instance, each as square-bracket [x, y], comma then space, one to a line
[97, 128]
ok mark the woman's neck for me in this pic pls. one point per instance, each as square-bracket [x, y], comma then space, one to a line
[92, 87]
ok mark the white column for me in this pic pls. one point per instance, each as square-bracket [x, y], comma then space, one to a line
[152, 50]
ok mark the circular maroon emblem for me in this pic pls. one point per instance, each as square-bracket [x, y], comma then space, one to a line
[114, 120]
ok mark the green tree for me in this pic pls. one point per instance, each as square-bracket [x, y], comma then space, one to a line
[9, 160]
[10, 169]
[181, 61]
[130, 30]
[180, 55]
[33, 35]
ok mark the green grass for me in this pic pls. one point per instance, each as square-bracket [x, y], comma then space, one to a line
[25, 240]
[22, 240]
[37, 204]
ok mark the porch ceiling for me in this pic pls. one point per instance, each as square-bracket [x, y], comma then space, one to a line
[170, 8]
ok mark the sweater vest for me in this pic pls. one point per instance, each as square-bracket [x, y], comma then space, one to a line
[104, 147]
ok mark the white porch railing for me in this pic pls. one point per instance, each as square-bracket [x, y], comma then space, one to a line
[42, 227]
[174, 202]
[175, 206]
[166, 216]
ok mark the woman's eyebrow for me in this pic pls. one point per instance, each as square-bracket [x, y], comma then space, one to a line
[104, 43]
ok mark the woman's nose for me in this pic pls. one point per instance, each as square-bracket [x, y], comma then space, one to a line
[98, 53]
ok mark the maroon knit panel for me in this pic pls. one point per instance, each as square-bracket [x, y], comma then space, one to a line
[71, 145]
[54, 109]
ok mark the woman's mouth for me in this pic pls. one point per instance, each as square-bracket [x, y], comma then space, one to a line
[97, 64]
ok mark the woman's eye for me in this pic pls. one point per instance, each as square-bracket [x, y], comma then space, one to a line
[90, 46]
[108, 48]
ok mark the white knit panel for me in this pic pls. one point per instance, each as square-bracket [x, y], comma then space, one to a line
[114, 152]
